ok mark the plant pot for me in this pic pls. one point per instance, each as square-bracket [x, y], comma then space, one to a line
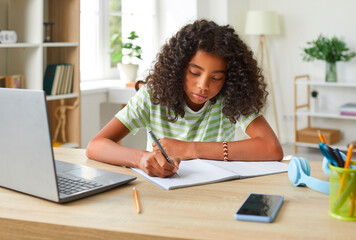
[331, 73]
[314, 105]
[128, 72]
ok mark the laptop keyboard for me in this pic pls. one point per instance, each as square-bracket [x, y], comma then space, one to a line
[69, 186]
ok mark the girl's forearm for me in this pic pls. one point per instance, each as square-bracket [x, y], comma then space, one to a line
[249, 150]
[107, 151]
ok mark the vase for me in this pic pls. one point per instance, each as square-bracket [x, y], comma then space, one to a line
[128, 72]
[314, 105]
[331, 73]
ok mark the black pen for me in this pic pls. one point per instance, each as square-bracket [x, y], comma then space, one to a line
[154, 138]
[160, 147]
[339, 157]
[332, 154]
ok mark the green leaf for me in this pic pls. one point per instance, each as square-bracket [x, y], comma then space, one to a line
[119, 49]
[329, 50]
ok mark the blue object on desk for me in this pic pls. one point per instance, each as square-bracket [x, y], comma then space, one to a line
[326, 166]
[324, 149]
[299, 175]
[338, 161]
[339, 157]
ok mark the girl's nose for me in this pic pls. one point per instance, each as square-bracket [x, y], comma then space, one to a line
[203, 83]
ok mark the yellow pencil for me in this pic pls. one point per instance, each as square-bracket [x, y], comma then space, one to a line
[137, 203]
[347, 165]
[321, 137]
[349, 155]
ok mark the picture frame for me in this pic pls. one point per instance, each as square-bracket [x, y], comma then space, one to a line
[15, 81]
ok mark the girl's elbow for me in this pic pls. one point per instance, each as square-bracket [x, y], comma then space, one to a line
[89, 152]
[279, 156]
[277, 152]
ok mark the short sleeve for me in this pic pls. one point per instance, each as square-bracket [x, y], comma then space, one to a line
[136, 114]
[244, 121]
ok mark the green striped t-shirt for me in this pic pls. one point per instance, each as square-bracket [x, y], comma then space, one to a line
[208, 124]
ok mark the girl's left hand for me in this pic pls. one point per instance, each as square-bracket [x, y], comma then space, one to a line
[174, 148]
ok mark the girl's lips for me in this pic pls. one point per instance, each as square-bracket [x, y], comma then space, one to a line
[199, 97]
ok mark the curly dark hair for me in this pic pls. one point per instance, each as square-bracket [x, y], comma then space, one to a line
[244, 90]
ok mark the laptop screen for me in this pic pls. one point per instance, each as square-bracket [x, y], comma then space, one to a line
[26, 157]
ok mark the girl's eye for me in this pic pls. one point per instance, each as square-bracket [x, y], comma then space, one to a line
[195, 74]
[217, 78]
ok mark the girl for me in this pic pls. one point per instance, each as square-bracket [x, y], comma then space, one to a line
[204, 85]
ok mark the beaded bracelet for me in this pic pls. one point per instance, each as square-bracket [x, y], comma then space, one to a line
[225, 151]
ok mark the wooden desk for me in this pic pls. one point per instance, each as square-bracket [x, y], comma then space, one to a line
[202, 212]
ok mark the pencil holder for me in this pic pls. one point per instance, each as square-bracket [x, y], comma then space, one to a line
[343, 193]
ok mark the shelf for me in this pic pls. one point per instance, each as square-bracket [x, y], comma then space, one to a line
[19, 45]
[333, 95]
[325, 115]
[60, 44]
[327, 84]
[30, 56]
[62, 96]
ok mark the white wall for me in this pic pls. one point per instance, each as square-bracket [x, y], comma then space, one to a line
[213, 10]
[91, 115]
[236, 11]
[96, 112]
[172, 15]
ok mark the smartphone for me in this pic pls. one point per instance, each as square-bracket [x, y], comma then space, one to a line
[259, 208]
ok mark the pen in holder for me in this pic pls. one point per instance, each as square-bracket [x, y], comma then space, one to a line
[343, 192]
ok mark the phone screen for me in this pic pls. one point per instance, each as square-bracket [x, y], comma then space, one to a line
[259, 207]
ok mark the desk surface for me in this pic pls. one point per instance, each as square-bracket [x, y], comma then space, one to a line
[201, 212]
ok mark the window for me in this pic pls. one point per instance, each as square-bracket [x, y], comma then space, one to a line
[100, 20]
[115, 22]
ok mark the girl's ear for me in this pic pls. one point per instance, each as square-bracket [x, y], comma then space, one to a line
[138, 84]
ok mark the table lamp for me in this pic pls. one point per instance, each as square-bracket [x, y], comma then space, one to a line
[263, 23]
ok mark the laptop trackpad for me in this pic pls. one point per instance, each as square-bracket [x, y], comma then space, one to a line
[85, 172]
[78, 171]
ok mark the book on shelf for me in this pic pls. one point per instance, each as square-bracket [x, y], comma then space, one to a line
[202, 171]
[2, 81]
[67, 84]
[58, 79]
[348, 109]
[49, 78]
[70, 78]
[65, 80]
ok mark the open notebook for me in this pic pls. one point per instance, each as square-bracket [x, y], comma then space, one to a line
[202, 171]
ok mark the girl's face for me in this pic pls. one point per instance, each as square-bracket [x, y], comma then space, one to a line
[204, 77]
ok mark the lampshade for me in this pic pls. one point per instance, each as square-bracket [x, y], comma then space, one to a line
[262, 23]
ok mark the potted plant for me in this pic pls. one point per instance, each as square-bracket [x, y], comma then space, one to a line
[331, 51]
[123, 54]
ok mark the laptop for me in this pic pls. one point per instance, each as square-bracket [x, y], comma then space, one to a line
[27, 162]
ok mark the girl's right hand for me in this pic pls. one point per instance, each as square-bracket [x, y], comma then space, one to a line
[155, 165]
